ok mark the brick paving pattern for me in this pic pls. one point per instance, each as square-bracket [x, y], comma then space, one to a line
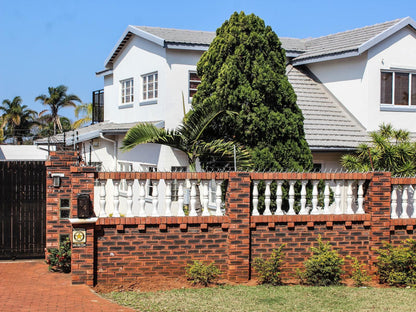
[29, 286]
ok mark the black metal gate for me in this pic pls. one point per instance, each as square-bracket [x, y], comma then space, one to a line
[22, 209]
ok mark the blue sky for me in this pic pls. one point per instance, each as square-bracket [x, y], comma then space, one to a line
[48, 43]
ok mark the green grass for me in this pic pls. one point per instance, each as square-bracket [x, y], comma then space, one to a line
[264, 298]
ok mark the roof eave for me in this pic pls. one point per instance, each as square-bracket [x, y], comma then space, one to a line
[138, 32]
[407, 21]
[187, 46]
[324, 58]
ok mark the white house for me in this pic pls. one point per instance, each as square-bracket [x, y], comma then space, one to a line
[347, 84]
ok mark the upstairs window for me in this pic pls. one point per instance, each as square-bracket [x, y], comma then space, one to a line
[150, 86]
[398, 88]
[194, 82]
[127, 91]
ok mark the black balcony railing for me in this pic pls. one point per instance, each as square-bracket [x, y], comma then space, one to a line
[98, 106]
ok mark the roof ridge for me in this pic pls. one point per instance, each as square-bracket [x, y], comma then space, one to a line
[168, 28]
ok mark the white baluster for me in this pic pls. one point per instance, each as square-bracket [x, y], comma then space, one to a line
[255, 198]
[218, 195]
[405, 201]
[267, 211]
[102, 213]
[142, 201]
[326, 198]
[116, 200]
[349, 197]
[413, 215]
[181, 213]
[291, 197]
[394, 203]
[303, 210]
[168, 198]
[192, 211]
[155, 198]
[360, 200]
[129, 212]
[338, 197]
[279, 211]
[205, 199]
[315, 210]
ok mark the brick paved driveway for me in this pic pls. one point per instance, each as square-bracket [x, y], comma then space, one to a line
[28, 286]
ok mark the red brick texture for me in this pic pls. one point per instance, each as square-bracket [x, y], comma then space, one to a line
[121, 250]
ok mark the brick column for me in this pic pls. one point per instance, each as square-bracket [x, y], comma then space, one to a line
[379, 194]
[238, 209]
[59, 162]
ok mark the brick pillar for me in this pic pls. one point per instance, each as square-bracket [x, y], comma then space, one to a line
[238, 209]
[59, 162]
[379, 194]
[83, 261]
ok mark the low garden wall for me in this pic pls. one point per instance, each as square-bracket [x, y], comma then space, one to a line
[119, 250]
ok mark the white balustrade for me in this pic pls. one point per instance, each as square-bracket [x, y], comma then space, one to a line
[168, 198]
[336, 197]
[403, 201]
[181, 212]
[102, 213]
[142, 200]
[205, 198]
[192, 211]
[155, 198]
[218, 196]
[129, 198]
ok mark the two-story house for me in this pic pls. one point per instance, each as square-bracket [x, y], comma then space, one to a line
[347, 84]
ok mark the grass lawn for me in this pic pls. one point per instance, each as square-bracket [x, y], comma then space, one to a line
[265, 298]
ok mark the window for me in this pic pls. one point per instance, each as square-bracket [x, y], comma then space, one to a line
[127, 91]
[150, 86]
[64, 208]
[194, 82]
[124, 167]
[175, 184]
[398, 88]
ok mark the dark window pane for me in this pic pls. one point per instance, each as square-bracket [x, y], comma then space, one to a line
[386, 88]
[413, 90]
[401, 89]
[64, 213]
[65, 202]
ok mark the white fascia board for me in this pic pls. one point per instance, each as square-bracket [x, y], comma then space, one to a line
[104, 72]
[193, 47]
[387, 33]
[325, 58]
[137, 32]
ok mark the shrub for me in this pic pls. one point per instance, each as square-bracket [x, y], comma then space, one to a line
[359, 274]
[396, 266]
[59, 260]
[269, 270]
[323, 268]
[199, 273]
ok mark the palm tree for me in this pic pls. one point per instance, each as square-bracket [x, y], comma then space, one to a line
[85, 110]
[57, 99]
[187, 138]
[17, 119]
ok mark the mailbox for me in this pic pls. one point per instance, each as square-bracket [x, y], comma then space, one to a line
[84, 208]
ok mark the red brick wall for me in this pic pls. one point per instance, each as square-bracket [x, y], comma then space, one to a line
[120, 250]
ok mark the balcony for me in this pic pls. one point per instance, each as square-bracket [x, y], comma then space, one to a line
[97, 106]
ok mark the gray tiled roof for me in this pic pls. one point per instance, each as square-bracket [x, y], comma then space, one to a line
[171, 35]
[344, 41]
[93, 131]
[327, 123]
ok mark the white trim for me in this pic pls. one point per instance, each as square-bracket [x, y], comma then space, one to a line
[104, 72]
[150, 102]
[184, 46]
[397, 108]
[328, 57]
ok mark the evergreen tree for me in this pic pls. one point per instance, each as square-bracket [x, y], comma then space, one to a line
[244, 71]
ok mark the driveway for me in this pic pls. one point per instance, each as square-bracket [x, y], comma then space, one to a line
[29, 286]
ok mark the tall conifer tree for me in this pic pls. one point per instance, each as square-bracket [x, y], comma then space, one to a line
[244, 71]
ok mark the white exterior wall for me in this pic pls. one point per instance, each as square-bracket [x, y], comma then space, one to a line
[355, 81]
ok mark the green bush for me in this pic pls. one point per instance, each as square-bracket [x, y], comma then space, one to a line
[323, 268]
[199, 273]
[59, 260]
[359, 274]
[396, 266]
[269, 270]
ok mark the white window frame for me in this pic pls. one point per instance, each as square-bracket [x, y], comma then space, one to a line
[190, 81]
[124, 98]
[150, 97]
[393, 106]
